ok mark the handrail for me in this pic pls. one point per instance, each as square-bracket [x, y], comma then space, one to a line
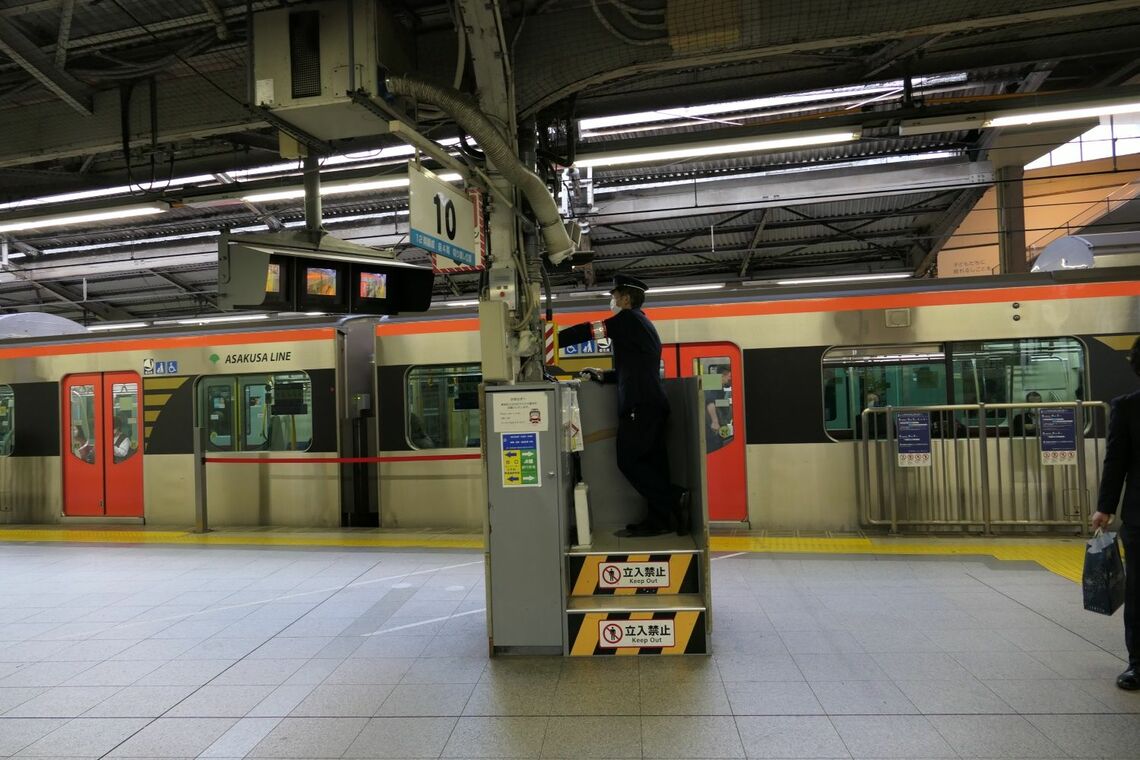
[982, 472]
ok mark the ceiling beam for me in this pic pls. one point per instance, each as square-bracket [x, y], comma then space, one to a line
[31, 59]
[599, 59]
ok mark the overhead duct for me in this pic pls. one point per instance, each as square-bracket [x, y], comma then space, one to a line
[559, 243]
[1100, 251]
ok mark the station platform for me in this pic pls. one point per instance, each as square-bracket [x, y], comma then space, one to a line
[144, 642]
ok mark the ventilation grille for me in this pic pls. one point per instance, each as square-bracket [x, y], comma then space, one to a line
[305, 53]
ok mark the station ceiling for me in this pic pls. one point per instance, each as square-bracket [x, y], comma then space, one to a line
[78, 79]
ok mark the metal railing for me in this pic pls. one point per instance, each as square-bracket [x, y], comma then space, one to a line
[984, 469]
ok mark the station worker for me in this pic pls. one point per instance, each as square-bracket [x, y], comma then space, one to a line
[642, 406]
[1122, 473]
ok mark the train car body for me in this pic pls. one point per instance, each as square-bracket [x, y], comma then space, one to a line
[801, 368]
[102, 428]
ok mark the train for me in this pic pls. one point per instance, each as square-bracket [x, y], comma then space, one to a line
[102, 427]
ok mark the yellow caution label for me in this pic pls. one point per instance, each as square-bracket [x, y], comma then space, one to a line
[637, 633]
[628, 574]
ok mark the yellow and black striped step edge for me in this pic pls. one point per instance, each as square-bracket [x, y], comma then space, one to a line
[634, 574]
[676, 626]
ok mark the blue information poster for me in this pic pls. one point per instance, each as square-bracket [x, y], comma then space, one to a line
[520, 460]
[913, 439]
[1058, 431]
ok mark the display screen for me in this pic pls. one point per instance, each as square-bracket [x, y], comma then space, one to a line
[273, 279]
[320, 281]
[373, 285]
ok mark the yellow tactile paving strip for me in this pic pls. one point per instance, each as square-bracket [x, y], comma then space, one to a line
[1064, 556]
[347, 538]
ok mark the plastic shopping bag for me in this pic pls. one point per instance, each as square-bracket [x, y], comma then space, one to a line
[1103, 578]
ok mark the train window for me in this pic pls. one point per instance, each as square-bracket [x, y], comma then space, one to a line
[124, 440]
[7, 420]
[1007, 371]
[855, 378]
[442, 406]
[271, 412]
[83, 443]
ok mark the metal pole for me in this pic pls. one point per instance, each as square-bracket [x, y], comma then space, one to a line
[984, 466]
[313, 194]
[201, 523]
[892, 461]
[1082, 475]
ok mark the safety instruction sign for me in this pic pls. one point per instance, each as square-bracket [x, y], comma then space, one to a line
[618, 634]
[633, 575]
[913, 439]
[521, 412]
[1058, 431]
[520, 460]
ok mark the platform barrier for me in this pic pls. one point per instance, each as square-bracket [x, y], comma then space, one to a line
[995, 468]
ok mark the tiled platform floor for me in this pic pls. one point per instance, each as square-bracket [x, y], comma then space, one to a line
[180, 652]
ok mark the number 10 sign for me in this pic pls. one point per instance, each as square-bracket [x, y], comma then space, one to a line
[445, 222]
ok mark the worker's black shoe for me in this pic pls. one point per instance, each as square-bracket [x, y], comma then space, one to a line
[682, 513]
[1129, 680]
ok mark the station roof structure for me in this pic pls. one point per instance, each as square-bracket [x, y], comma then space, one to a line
[143, 108]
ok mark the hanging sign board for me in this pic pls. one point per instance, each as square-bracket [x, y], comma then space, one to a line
[1058, 431]
[913, 439]
[446, 222]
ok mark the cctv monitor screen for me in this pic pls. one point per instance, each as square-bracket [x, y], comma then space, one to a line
[373, 285]
[273, 279]
[320, 281]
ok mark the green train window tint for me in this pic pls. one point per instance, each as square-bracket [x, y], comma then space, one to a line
[442, 406]
[1008, 371]
[270, 412]
[858, 377]
[7, 420]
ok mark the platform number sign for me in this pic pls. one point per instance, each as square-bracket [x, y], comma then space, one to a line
[444, 216]
[445, 221]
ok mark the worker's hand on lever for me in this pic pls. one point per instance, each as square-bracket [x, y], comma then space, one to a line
[591, 373]
[1100, 520]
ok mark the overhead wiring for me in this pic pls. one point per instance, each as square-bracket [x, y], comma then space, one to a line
[613, 30]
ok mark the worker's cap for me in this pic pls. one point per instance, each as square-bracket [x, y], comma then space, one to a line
[625, 281]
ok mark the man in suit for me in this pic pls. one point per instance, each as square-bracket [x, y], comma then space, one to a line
[1122, 472]
[642, 405]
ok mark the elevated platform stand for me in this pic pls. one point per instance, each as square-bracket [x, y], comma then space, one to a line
[550, 593]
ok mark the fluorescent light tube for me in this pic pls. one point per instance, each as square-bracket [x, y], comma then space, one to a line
[456, 304]
[1015, 118]
[1018, 117]
[844, 278]
[715, 148]
[116, 326]
[339, 188]
[83, 217]
[685, 288]
[215, 320]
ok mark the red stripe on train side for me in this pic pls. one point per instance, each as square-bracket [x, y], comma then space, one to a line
[171, 342]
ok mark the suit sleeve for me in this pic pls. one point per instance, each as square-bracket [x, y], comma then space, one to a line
[1117, 455]
[586, 331]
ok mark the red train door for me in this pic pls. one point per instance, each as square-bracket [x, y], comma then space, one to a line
[719, 367]
[102, 462]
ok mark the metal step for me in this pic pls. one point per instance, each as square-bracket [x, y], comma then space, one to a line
[673, 624]
[622, 574]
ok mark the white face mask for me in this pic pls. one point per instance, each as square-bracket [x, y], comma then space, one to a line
[613, 305]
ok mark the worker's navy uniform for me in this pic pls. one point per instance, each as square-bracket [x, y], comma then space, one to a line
[642, 405]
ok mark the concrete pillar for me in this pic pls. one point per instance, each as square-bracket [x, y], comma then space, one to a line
[1011, 219]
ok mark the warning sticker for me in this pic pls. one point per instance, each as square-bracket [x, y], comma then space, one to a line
[633, 575]
[520, 460]
[617, 634]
